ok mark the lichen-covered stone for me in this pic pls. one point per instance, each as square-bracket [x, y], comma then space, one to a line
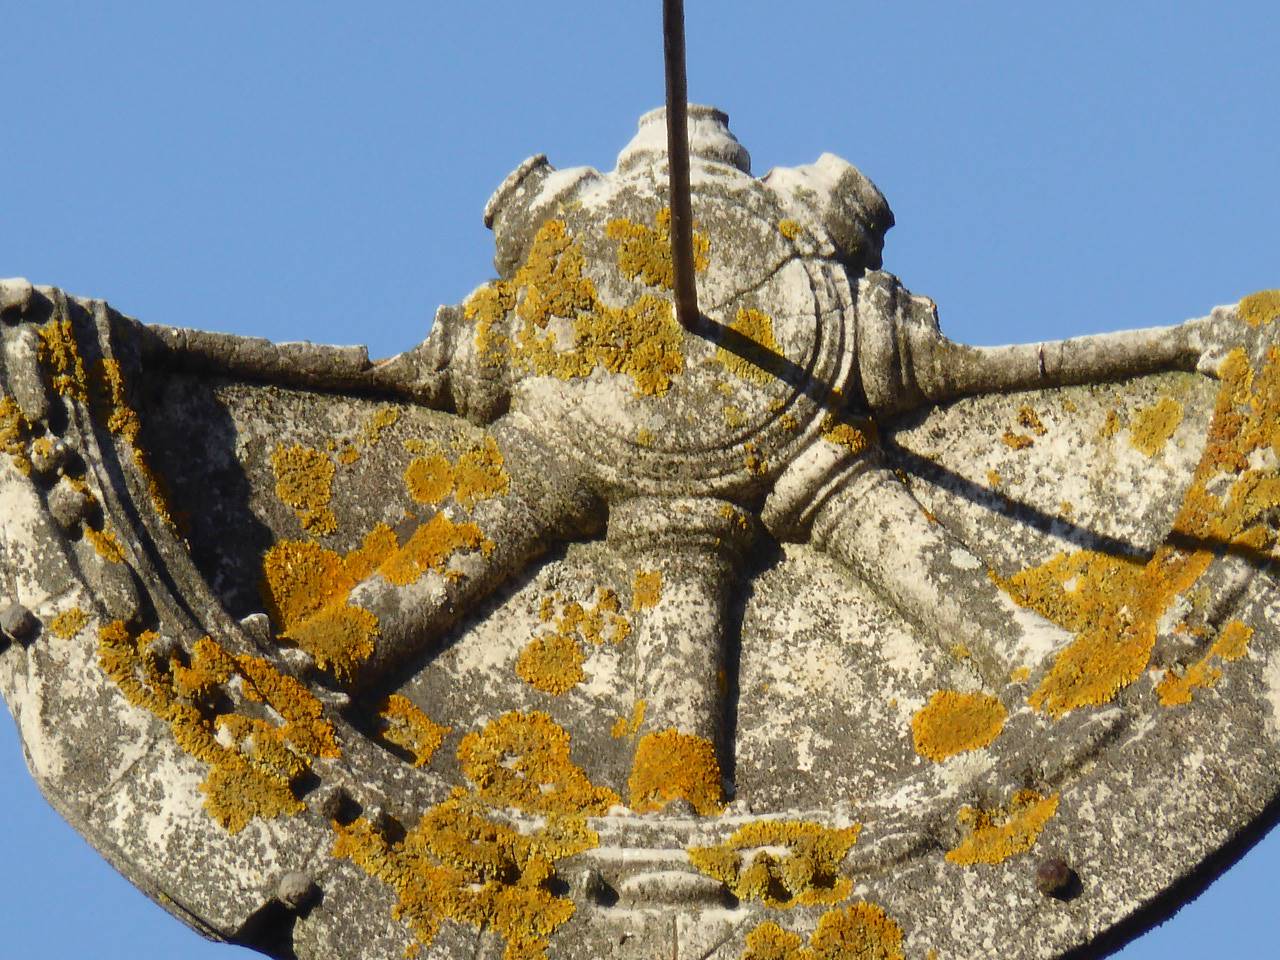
[802, 634]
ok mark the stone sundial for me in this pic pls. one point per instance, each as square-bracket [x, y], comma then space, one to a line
[797, 631]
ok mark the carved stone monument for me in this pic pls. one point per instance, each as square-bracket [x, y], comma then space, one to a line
[802, 633]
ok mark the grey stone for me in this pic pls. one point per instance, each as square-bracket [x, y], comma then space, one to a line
[296, 890]
[68, 504]
[806, 616]
[17, 623]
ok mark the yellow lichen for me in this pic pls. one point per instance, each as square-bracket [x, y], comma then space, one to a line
[68, 623]
[860, 931]
[789, 229]
[59, 355]
[646, 589]
[551, 663]
[1016, 441]
[480, 474]
[734, 417]
[669, 766]
[1260, 308]
[403, 724]
[1028, 418]
[304, 482]
[644, 253]
[104, 390]
[642, 340]
[14, 430]
[105, 543]
[522, 760]
[1110, 426]
[254, 764]
[994, 479]
[629, 726]
[644, 437]
[995, 836]
[349, 454]
[429, 479]
[782, 863]
[1152, 426]
[379, 422]
[953, 722]
[758, 328]
[1175, 689]
[458, 865]
[1114, 604]
[854, 435]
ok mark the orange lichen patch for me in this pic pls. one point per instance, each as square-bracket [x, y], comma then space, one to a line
[430, 547]
[59, 354]
[1016, 441]
[551, 663]
[480, 474]
[953, 722]
[782, 863]
[349, 454]
[1115, 604]
[254, 764]
[14, 429]
[597, 623]
[458, 865]
[1152, 426]
[642, 340]
[646, 589]
[994, 479]
[1233, 643]
[109, 396]
[429, 479]
[644, 253]
[1019, 674]
[304, 482]
[629, 726]
[1029, 419]
[860, 931]
[758, 328]
[105, 543]
[68, 623]
[668, 766]
[1110, 426]
[1260, 308]
[993, 836]
[789, 229]
[854, 435]
[770, 942]
[306, 588]
[756, 465]
[379, 422]
[403, 724]
[522, 760]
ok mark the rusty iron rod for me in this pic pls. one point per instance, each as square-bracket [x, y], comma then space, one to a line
[686, 290]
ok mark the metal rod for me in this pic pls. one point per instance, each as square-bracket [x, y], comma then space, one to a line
[686, 290]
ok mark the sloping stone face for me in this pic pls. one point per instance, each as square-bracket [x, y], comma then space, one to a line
[806, 633]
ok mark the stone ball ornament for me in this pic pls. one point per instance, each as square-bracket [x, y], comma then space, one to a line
[797, 633]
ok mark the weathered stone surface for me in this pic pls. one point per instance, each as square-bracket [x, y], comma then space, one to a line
[570, 632]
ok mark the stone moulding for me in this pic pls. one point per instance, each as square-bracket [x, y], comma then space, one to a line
[803, 633]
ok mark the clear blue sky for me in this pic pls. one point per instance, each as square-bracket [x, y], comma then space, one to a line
[306, 171]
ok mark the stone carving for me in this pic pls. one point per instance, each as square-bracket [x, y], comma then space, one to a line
[806, 633]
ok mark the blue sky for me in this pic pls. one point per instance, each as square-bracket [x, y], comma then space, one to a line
[307, 171]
